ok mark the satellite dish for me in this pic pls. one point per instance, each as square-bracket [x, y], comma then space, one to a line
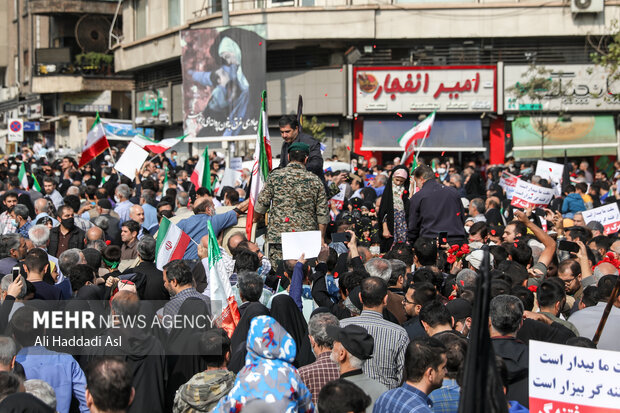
[91, 33]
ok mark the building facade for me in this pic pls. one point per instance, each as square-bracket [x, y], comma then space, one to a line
[368, 70]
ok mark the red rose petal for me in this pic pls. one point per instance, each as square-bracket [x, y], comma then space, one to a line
[462, 283]
[399, 115]
[260, 43]
[458, 213]
[443, 153]
[286, 219]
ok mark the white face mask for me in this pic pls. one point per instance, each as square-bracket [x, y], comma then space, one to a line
[441, 171]
[116, 198]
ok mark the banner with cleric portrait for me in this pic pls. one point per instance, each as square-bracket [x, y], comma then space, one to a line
[223, 77]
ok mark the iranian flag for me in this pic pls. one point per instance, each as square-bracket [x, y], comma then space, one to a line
[96, 143]
[35, 183]
[220, 290]
[409, 138]
[164, 187]
[262, 164]
[154, 146]
[172, 243]
[23, 176]
[201, 177]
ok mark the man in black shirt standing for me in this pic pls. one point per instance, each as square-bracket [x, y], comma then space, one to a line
[35, 266]
[435, 208]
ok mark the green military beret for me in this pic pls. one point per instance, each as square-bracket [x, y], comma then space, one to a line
[299, 146]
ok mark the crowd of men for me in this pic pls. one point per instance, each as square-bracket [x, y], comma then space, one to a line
[378, 322]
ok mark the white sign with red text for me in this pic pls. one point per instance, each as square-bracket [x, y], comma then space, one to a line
[338, 199]
[424, 89]
[566, 379]
[608, 215]
[508, 181]
[527, 195]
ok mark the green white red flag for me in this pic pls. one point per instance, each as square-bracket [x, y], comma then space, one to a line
[172, 243]
[408, 140]
[95, 144]
[201, 177]
[154, 146]
[23, 176]
[220, 289]
[35, 183]
[262, 164]
[164, 187]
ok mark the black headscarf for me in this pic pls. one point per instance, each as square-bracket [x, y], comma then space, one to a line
[238, 349]
[286, 312]
[386, 208]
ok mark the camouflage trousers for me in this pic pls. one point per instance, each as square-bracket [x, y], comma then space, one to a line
[275, 254]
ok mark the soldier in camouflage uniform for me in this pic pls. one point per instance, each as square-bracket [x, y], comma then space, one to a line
[295, 198]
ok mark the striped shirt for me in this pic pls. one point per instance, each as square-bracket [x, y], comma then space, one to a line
[391, 340]
[317, 374]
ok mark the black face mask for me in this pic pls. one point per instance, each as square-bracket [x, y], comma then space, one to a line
[68, 223]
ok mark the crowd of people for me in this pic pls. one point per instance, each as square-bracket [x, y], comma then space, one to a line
[378, 322]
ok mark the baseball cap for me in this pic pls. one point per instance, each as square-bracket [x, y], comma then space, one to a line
[355, 339]
[475, 258]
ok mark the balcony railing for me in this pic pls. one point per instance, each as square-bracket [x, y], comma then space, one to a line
[59, 61]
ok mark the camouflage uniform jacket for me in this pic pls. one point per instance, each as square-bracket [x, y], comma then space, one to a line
[296, 200]
[203, 391]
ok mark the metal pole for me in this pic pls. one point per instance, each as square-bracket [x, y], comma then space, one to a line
[225, 14]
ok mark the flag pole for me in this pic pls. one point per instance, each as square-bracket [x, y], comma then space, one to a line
[606, 311]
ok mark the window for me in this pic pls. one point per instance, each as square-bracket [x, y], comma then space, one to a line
[140, 19]
[26, 66]
[174, 13]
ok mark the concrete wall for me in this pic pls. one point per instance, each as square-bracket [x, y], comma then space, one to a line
[407, 21]
[324, 91]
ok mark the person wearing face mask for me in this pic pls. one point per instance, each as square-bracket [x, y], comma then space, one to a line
[394, 208]
[435, 208]
[66, 235]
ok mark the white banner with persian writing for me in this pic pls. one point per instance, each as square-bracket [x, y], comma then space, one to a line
[575, 88]
[576, 379]
[608, 215]
[424, 89]
[508, 181]
[527, 195]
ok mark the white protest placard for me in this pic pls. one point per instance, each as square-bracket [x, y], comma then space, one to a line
[573, 379]
[608, 215]
[132, 159]
[338, 199]
[508, 181]
[236, 164]
[527, 195]
[229, 178]
[296, 243]
[550, 171]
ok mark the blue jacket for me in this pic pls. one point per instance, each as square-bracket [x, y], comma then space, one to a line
[572, 204]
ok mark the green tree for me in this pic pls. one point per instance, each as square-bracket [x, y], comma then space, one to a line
[607, 55]
[314, 128]
[531, 97]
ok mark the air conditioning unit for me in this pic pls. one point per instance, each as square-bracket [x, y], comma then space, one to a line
[587, 6]
[22, 110]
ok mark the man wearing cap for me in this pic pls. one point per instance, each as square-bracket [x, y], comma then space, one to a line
[460, 310]
[386, 365]
[295, 198]
[352, 347]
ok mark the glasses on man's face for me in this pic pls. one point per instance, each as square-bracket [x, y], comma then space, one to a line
[405, 301]
[569, 281]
